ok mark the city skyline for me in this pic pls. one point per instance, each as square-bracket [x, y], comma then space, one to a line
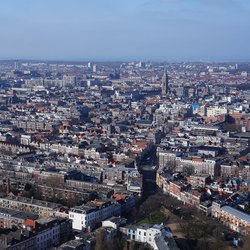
[160, 30]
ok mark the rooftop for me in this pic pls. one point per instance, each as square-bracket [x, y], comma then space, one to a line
[17, 214]
[39, 203]
[241, 215]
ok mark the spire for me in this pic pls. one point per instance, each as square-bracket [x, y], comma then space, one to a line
[164, 86]
[165, 70]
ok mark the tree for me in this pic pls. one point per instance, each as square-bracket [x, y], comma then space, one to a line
[126, 245]
[218, 244]
[101, 243]
[72, 201]
[246, 243]
[188, 169]
[93, 195]
[171, 166]
[29, 191]
[53, 181]
[196, 229]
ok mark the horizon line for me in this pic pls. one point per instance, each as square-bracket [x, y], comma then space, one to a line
[126, 60]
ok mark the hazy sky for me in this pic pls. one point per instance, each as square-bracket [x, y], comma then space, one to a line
[125, 29]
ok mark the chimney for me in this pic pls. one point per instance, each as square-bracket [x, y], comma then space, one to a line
[8, 186]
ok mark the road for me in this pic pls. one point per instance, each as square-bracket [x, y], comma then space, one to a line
[149, 174]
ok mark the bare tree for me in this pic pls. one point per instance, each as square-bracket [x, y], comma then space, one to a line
[101, 243]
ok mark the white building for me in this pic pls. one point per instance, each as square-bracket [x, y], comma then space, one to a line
[216, 111]
[199, 165]
[114, 222]
[89, 215]
[146, 233]
[94, 68]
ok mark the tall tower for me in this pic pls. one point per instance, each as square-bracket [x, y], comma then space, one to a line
[164, 84]
[8, 186]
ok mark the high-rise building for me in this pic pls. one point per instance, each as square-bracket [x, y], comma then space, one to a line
[94, 69]
[16, 65]
[68, 80]
[164, 86]
[141, 64]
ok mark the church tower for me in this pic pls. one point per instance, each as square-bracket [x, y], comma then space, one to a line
[164, 84]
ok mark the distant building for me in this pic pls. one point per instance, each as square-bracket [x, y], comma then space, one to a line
[94, 68]
[215, 111]
[69, 80]
[164, 84]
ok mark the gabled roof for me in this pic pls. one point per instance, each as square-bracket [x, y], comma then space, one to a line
[241, 215]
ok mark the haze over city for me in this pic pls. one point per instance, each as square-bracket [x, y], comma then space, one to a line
[166, 30]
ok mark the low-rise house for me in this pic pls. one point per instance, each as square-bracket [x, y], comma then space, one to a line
[146, 233]
[114, 222]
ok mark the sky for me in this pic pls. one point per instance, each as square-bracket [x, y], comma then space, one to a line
[156, 30]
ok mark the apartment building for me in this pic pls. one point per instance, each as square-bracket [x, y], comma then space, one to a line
[43, 233]
[10, 218]
[87, 216]
[199, 180]
[199, 165]
[167, 158]
[232, 218]
[42, 208]
[216, 111]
